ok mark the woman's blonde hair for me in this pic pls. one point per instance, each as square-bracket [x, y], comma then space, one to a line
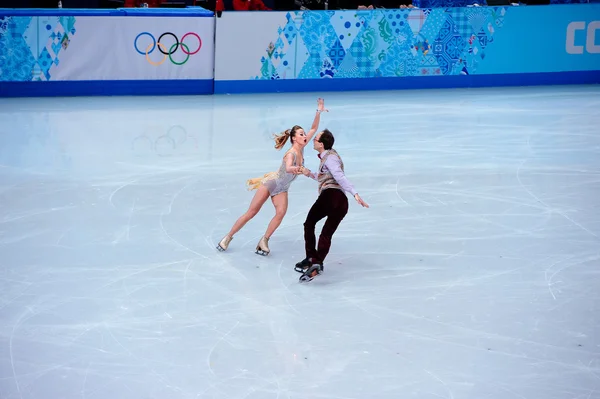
[281, 139]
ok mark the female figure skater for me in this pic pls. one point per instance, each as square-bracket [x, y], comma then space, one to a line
[276, 184]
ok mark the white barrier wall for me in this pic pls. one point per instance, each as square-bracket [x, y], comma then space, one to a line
[80, 54]
[175, 51]
[407, 48]
[239, 51]
[149, 48]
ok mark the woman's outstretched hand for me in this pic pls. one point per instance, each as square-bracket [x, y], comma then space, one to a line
[321, 105]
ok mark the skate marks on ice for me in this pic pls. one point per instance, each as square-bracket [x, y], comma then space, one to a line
[472, 275]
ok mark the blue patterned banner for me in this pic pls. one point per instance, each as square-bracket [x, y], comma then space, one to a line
[101, 48]
[402, 42]
[381, 43]
[31, 46]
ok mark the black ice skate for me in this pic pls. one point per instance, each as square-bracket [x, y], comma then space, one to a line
[312, 272]
[303, 265]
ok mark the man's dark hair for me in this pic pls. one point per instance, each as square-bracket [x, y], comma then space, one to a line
[327, 139]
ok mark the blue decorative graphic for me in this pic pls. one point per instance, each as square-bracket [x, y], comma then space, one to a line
[568, 1]
[446, 3]
[30, 46]
[337, 53]
[385, 43]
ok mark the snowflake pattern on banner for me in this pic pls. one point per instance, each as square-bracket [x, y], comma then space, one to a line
[30, 46]
[386, 43]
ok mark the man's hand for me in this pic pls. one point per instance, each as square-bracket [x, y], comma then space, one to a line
[360, 201]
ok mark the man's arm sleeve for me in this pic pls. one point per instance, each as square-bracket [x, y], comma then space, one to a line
[334, 165]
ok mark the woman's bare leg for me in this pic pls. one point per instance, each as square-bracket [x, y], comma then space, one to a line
[280, 201]
[261, 196]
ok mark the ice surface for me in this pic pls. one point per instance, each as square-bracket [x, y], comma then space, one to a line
[475, 273]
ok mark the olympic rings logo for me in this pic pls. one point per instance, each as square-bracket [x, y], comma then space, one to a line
[154, 139]
[163, 49]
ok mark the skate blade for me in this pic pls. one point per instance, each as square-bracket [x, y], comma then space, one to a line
[305, 278]
[261, 252]
[220, 248]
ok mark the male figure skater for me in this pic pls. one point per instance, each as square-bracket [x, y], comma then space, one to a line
[332, 203]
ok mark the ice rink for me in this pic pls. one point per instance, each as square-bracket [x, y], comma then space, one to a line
[475, 273]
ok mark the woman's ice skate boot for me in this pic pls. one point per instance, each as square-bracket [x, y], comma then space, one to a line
[224, 243]
[263, 247]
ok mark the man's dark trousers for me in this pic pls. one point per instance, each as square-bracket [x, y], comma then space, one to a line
[332, 204]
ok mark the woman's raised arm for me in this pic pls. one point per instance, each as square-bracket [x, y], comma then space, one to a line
[315, 124]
